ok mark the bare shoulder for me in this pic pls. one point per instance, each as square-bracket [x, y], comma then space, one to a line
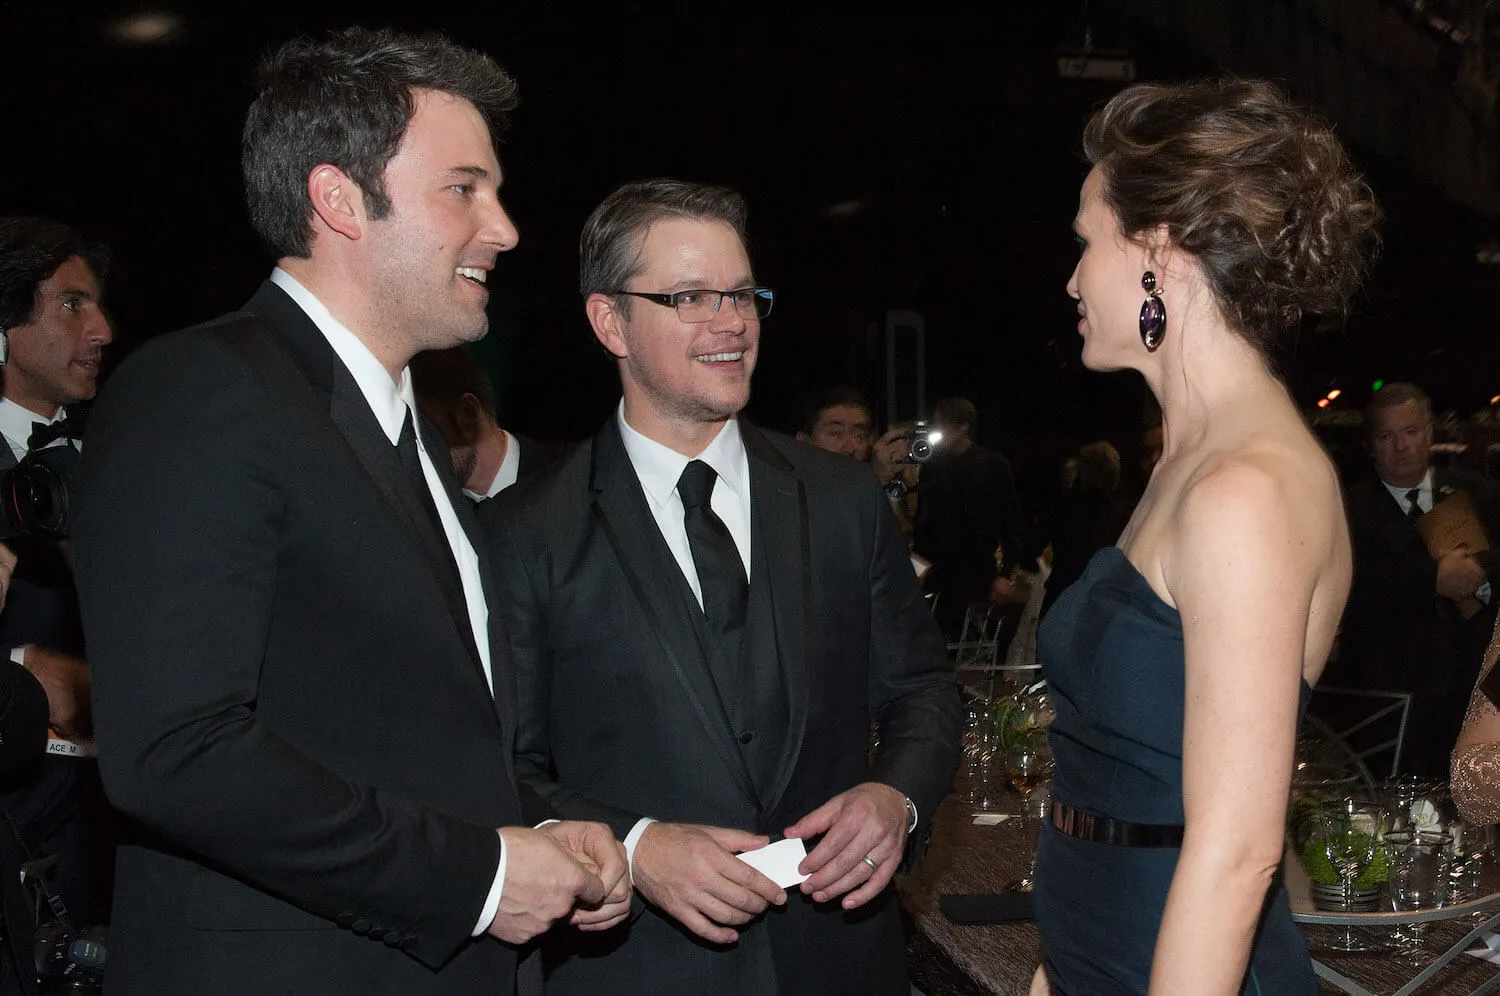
[1288, 484]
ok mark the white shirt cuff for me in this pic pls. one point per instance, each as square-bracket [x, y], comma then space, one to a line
[492, 902]
[633, 838]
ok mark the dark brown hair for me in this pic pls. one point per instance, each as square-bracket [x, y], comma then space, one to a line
[31, 250]
[609, 250]
[346, 100]
[1260, 192]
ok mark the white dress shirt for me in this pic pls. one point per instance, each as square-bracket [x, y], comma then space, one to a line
[392, 402]
[658, 468]
[508, 472]
[17, 423]
[1424, 498]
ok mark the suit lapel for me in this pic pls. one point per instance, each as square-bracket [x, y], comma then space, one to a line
[350, 411]
[656, 581]
[778, 504]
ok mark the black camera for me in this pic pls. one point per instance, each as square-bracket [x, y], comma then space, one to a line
[67, 962]
[921, 442]
[35, 494]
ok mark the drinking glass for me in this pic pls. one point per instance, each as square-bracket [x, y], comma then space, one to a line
[1028, 763]
[1466, 860]
[1416, 879]
[976, 748]
[1349, 833]
[1034, 809]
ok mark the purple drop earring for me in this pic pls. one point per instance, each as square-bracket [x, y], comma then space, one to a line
[1153, 314]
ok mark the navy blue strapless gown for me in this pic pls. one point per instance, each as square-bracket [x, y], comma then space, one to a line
[1114, 665]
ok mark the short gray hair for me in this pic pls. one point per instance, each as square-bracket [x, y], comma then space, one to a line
[1395, 394]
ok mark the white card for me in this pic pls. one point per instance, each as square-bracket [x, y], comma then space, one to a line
[990, 819]
[778, 862]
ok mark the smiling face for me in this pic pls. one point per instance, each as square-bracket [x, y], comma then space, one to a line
[680, 377]
[428, 259]
[54, 358]
[1106, 283]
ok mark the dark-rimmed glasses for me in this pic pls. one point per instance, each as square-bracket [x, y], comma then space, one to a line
[700, 304]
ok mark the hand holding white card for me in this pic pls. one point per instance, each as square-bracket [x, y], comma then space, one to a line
[778, 862]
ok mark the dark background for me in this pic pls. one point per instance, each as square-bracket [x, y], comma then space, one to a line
[925, 161]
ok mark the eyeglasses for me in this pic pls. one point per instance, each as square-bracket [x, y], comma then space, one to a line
[696, 306]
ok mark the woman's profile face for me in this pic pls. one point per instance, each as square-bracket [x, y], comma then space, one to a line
[1106, 283]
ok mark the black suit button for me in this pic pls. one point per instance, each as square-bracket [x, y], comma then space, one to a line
[345, 920]
[745, 738]
[360, 926]
[392, 939]
[408, 942]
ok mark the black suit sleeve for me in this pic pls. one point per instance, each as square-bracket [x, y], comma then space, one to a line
[912, 687]
[525, 622]
[23, 722]
[178, 546]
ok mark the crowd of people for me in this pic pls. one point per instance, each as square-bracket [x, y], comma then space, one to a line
[387, 698]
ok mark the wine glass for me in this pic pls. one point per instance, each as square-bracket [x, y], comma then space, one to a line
[1028, 763]
[1417, 879]
[1348, 832]
[977, 743]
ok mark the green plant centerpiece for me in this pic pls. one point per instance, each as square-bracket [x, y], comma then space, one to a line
[1313, 837]
[1024, 716]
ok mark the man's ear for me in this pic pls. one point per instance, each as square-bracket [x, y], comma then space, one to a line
[608, 323]
[469, 417]
[336, 200]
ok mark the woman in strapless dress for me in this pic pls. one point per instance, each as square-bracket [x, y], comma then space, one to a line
[1216, 216]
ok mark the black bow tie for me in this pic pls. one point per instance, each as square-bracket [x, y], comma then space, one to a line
[43, 434]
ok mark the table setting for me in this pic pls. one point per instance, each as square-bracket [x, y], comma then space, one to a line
[1393, 881]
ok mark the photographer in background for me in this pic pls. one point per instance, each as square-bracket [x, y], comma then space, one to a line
[968, 521]
[53, 330]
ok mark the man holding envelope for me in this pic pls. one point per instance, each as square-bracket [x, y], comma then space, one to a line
[707, 619]
[1421, 608]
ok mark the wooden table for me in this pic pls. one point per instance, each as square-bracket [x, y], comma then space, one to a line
[948, 959]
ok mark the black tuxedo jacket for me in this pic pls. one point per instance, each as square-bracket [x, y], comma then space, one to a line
[534, 456]
[622, 715]
[1397, 633]
[289, 699]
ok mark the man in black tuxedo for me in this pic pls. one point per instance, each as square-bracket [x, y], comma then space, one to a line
[54, 330]
[707, 620]
[454, 393]
[1402, 629]
[302, 695]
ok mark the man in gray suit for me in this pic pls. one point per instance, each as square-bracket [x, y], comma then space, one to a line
[707, 619]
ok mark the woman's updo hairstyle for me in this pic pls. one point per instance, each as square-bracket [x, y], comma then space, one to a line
[1260, 192]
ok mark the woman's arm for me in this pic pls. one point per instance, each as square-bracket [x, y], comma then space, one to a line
[1244, 559]
[1476, 758]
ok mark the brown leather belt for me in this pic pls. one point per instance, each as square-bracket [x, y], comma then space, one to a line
[1104, 830]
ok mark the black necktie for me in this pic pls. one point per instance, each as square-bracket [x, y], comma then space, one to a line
[1414, 509]
[721, 574]
[406, 449]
